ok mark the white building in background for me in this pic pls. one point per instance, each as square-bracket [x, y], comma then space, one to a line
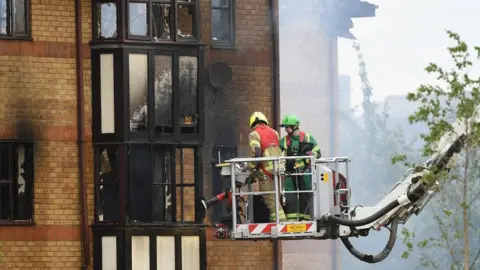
[344, 93]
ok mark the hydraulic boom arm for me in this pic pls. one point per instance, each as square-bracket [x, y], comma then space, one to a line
[409, 196]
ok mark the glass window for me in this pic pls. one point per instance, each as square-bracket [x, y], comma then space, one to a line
[188, 92]
[138, 85]
[152, 191]
[191, 252]
[138, 19]
[140, 183]
[106, 20]
[13, 18]
[163, 94]
[109, 252]
[223, 22]
[166, 252]
[186, 21]
[162, 184]
[107, 102]
[107, 184]
[163, 21]
[16, 181]
[141, 252]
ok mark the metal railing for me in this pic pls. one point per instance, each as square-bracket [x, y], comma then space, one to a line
[278, 173]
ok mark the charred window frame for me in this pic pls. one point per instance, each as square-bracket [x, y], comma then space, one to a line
[15, 19]
[158, 20]
[220, 153]
[223, 33]
[164, 184]
[164, 95]
[109, 183]
[153, 248]
[16, 182]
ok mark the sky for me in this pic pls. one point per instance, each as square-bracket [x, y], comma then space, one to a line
[403, 38]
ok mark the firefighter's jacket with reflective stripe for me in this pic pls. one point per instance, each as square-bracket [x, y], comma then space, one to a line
[266, 139]
[294, 142]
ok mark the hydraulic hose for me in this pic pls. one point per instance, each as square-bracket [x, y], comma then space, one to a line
[360, 222]
[413, 196]
[380, 256]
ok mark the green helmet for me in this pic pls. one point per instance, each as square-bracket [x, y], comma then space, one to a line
[290, 120]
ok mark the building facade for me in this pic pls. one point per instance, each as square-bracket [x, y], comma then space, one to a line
[110, 120]
[111, 113]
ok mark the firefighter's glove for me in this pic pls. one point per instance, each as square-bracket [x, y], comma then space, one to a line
[290, 165]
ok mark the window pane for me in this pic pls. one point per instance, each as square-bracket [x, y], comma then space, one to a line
[24, 191]
[185, 204]
[220, 3]
[6, 203]
[163, 94]
[107, 103]
[161, 189]
[138, 24]
[138, 84]
[162, 15]
[188, 93]
[3, 17]
[186, 22]
[166, 252]
[106, 188]
[106, 20]
[140, 252]
[109, 252]
[6, 162]
[20, 22]
[220, 25]
[140, 183]
[191, 252]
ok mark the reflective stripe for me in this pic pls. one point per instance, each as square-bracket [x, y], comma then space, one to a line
[293, 216]
[305, 216]
[281, 216]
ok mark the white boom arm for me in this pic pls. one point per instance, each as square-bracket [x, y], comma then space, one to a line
[409, 196]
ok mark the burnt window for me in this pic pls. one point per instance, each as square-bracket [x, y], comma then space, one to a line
[15, 19]
[171, 95]
[162, 184]
[105, 20]
[162, 20]
[223, 23]
[16, 182]
[107, 200]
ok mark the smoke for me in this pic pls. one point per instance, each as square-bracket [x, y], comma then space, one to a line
[308, 89]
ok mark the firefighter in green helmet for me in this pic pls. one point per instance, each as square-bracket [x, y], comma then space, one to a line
[298, 208]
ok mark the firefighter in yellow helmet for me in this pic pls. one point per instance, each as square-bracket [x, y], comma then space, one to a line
[264, 142]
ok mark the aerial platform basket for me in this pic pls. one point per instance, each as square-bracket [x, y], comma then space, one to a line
[329, 186]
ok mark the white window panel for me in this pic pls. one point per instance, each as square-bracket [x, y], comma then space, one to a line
[140, 253]
[166, 252]
[109, 253]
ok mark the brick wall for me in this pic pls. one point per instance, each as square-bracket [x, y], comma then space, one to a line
[38, 90]
[250, 90]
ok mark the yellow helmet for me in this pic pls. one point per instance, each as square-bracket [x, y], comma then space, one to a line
[257, 116]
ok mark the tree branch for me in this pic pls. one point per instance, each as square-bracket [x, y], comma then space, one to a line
[473, 199]
[475, 260]
[447, 245]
